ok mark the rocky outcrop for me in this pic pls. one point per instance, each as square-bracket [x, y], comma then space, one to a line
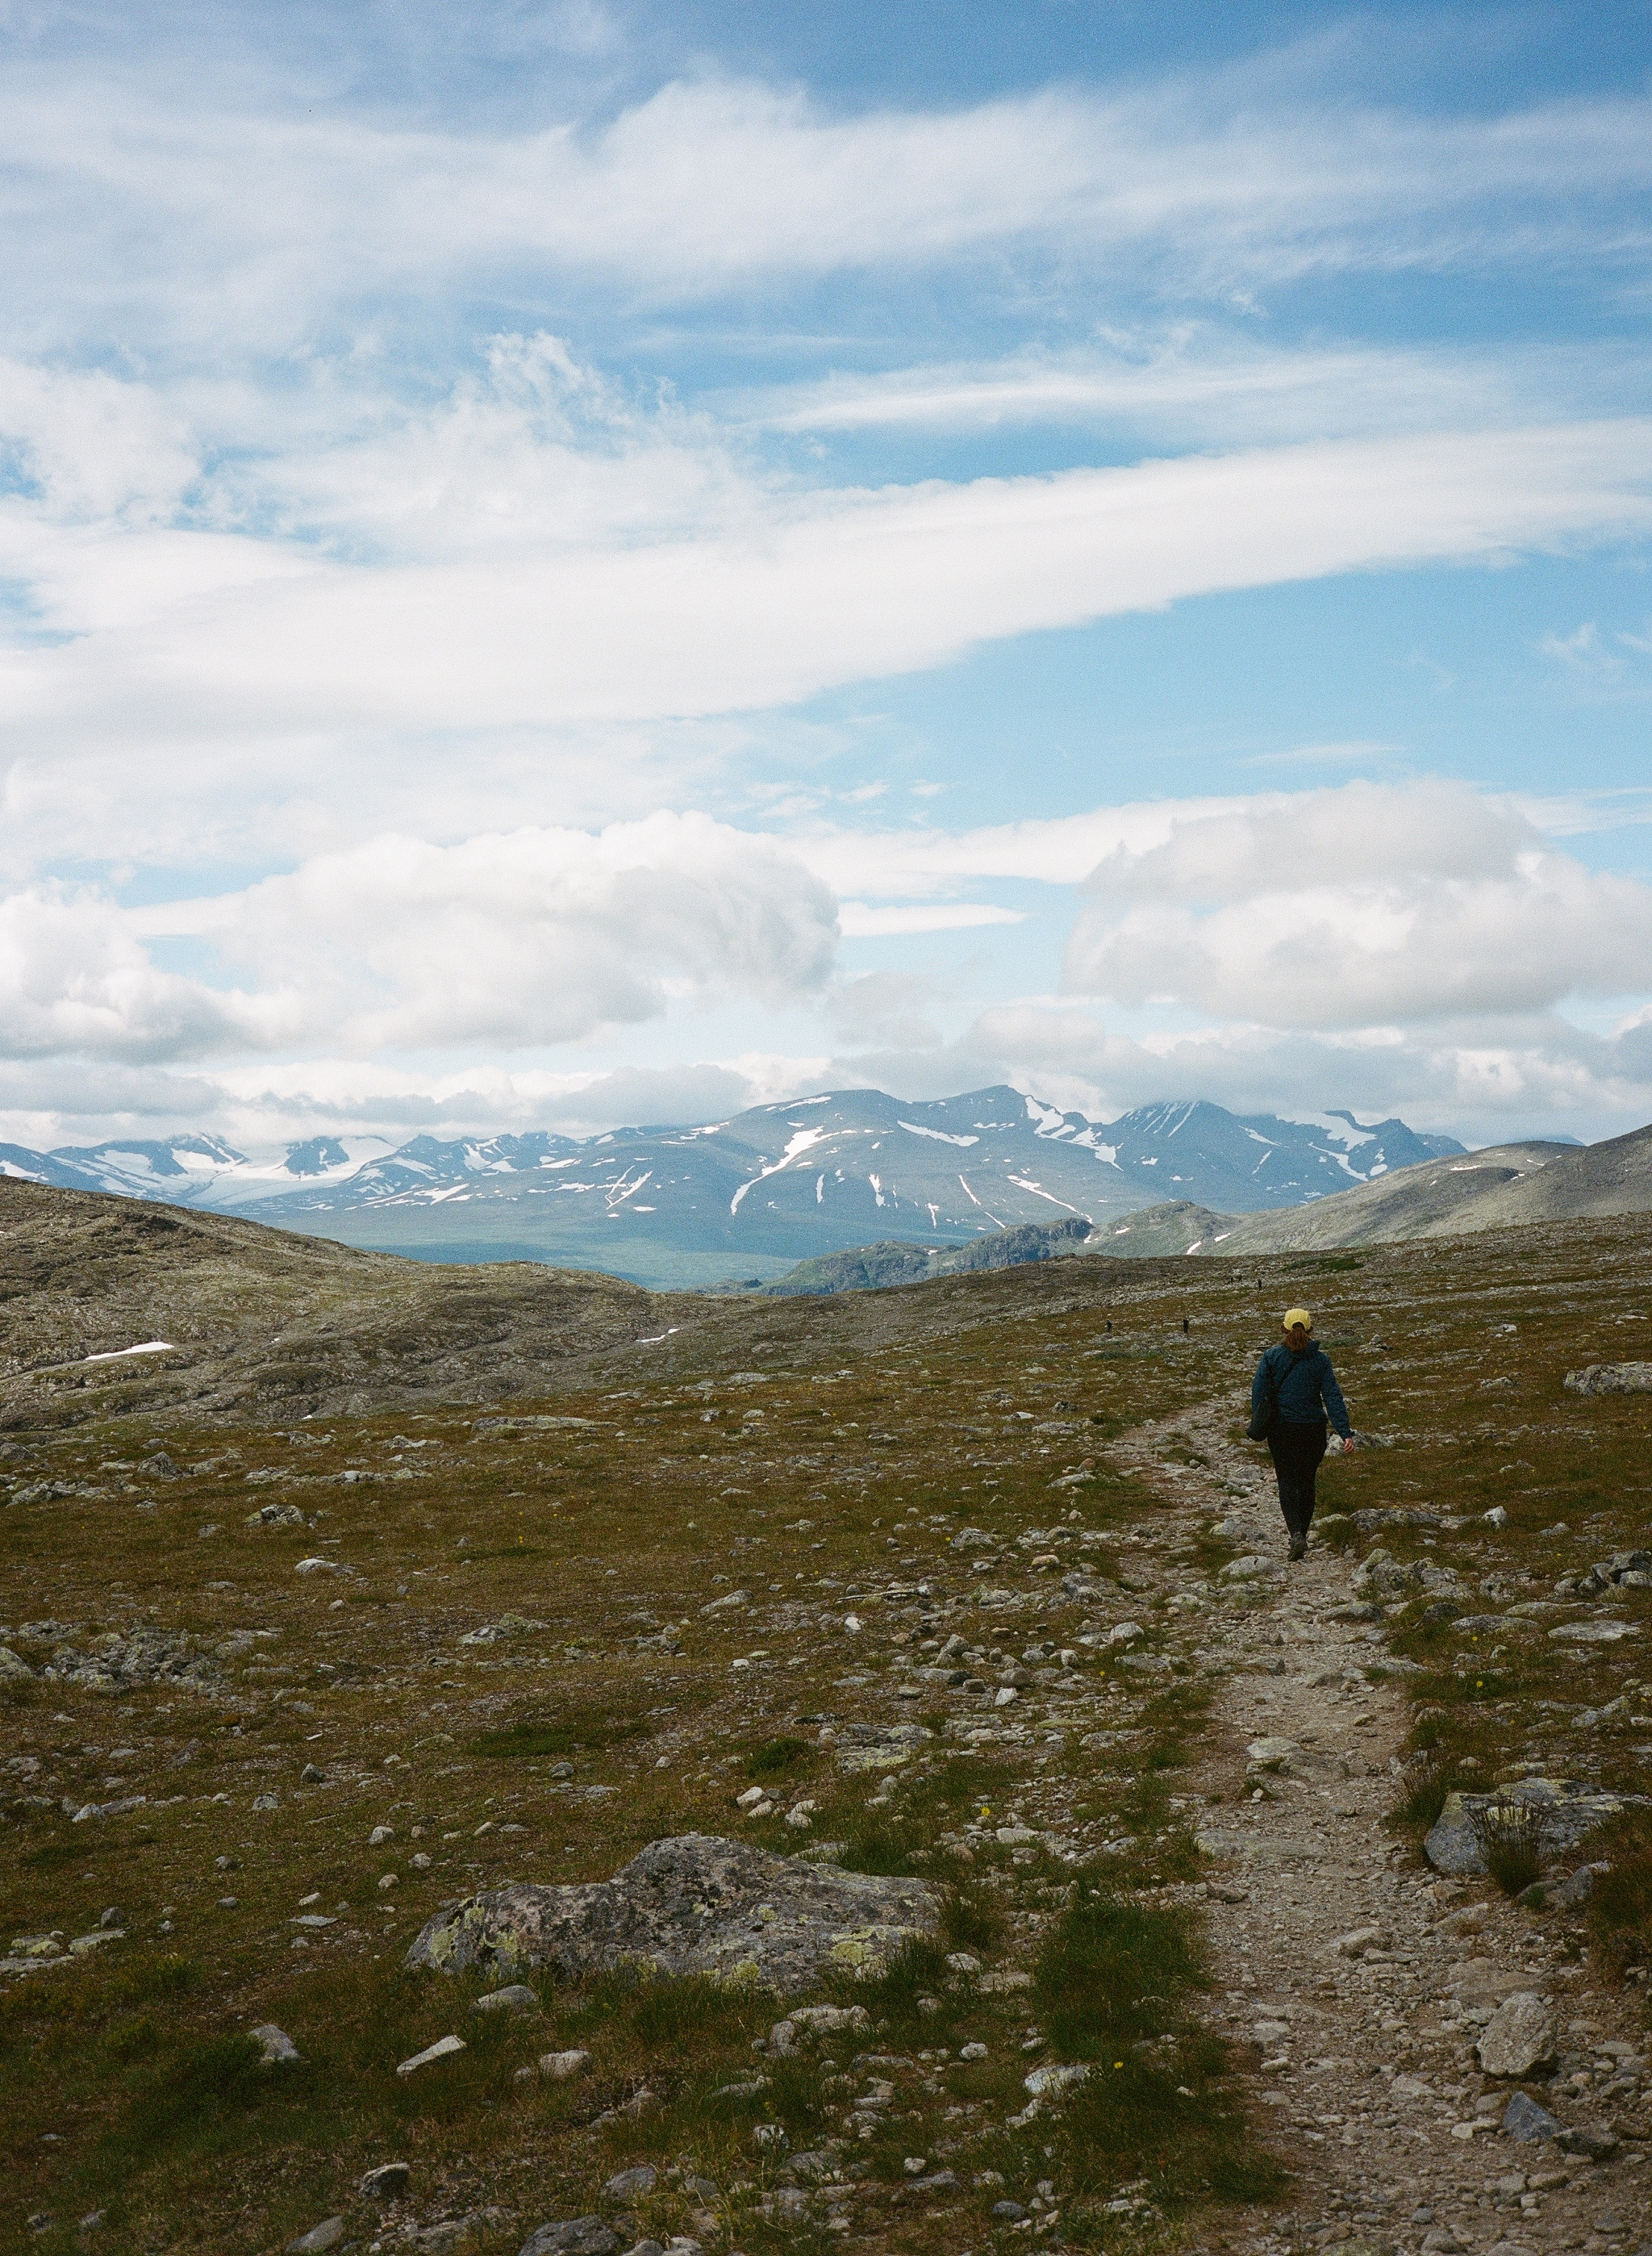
[691, 1905]
[1611, 1379]
[1566, 1812]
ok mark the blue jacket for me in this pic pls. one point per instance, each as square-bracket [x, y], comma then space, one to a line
[1306, 1387]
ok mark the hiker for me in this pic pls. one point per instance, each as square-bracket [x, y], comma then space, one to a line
[1294, 1393]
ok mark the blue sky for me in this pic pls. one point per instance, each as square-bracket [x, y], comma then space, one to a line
[570, 564]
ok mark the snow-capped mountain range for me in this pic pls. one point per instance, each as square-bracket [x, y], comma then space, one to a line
[752, 1195]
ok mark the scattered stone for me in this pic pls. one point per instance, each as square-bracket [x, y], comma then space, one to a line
[558, 2066]
[1576, 1887]
[147, 1656]
[1359, 1940]
[1593, 1632]
[450, 2232]
[275, 1515]
[440, 2050]
[507, 1625]
[630, 2185]
[388, 2183]
[327, 2234]
[13, 1668]
[1595, 2142]
[690, 1905]
[1526, 2122]
[1519, 2038]
[312, 1774]
[577, 2236]
[515, 1998]
[276, 2045]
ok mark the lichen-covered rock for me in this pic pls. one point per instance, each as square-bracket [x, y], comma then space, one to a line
[147, 1656]
[1569, 1812]
[691, 1905]
[1519, 2037]
[1612, 1379]
[574, 2236]
[1388, 1580]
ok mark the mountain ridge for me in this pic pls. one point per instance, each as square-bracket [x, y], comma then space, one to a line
[756, 1193]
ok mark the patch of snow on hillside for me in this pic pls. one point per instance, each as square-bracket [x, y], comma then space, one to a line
[936, 1135]
[805, 1140]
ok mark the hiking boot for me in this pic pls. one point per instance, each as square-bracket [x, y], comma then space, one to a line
[1298, 1546]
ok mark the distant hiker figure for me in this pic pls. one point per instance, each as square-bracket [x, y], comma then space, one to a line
[1292, 1397]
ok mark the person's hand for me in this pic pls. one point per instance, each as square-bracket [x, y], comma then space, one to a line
[1349, 1445]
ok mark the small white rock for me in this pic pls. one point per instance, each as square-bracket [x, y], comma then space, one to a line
[440, 2050]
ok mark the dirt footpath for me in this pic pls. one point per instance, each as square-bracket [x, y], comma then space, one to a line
[1360, 1978]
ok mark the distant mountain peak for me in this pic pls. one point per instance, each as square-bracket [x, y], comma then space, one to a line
[765, 1188]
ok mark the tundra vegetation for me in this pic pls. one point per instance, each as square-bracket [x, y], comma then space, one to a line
[296, 1663]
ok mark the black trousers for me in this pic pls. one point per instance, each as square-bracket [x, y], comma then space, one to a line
[1296, 1451]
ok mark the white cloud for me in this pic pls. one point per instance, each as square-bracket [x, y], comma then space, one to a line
[1194, 385]
[208, 634]
[858, 921]
[1361, 907]
[74, 976]
[518, 940]
[243, 211]
[91, 446]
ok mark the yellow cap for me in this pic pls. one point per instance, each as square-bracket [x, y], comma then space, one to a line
[1294, 1316]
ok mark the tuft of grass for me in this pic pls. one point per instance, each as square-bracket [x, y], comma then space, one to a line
[1113, 1971]
[1620, 1903]
[1510, 1835]
[775, 1757]
[1116, 1979]
[577, 1731]
[198, 2098]
[972, 1921]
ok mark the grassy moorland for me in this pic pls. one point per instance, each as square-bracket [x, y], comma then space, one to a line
[505, 1669]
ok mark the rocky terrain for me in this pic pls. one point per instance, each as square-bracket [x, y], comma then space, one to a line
[111, 1305]
[1106, 1881]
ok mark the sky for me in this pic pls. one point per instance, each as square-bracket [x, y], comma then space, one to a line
[564, 564]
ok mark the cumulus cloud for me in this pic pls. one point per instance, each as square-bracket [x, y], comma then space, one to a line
[1484, 1079]
[91, 445]
[74, 976]
[522, 939]
[1361, 906]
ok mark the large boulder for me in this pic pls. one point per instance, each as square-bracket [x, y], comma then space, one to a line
[691, 1905]
[1567, 1812]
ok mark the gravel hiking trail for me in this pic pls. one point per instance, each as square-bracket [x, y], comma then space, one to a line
[1358, 1977]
